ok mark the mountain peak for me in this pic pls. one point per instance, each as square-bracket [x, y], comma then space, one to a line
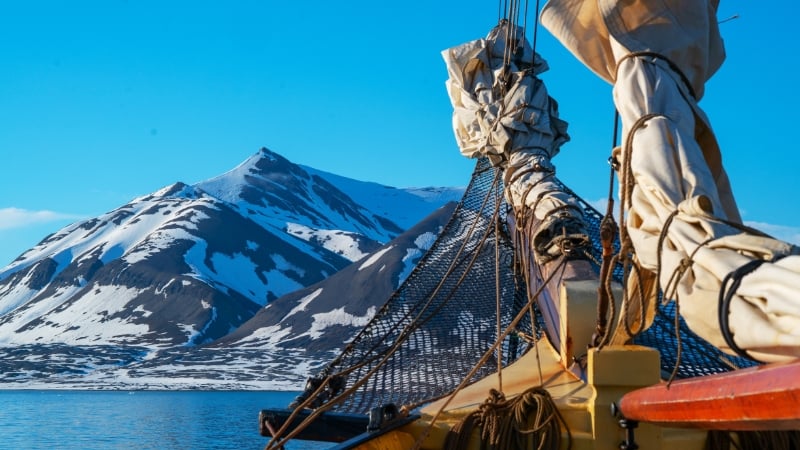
[215, 251]
[266, 153]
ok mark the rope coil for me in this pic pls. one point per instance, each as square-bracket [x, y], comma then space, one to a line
[530, 420]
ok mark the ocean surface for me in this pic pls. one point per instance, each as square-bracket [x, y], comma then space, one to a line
[85, 420]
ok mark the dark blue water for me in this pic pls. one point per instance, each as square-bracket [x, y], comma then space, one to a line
[88, 420]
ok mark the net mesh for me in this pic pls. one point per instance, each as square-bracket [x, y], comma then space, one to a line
[442, 319]
[433, 330]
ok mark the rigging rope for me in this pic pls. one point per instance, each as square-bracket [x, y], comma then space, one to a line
[523, 311]
[498, 297]
[281, 436]
[608, 231]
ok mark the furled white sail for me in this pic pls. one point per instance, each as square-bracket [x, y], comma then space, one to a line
[501, 110]
[737, 288]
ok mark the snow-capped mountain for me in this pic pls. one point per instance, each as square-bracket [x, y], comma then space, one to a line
[289, 339]
[188, 265]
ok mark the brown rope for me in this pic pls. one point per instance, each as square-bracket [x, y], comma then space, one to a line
[522, 313]
[522, 238]
[728, 287]
[608, 229]
[654, 55]
[281, 437]
[627, 250]
[605, 302]
[530, 420]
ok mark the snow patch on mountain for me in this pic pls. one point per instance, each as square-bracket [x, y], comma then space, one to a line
[375, 257]
[338, 241]
[337, 317]
[239, 270]
[116, 232]
[98, 322]
[17, 294]
[304, 302]
[267, 338]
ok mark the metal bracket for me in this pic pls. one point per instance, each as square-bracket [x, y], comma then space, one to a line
[629, 426]
[382, 415]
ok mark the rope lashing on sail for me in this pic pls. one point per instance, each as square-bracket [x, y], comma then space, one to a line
[730, 284]
[529, 420]
[670, 291]
[644, 54]
[557, 231]
[502, 111]
[701, 242]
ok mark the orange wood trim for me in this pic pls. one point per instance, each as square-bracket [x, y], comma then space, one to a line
[758, 398]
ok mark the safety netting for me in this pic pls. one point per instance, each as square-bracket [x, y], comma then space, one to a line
[428, 337]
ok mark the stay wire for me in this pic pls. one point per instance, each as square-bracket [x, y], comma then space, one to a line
[535, 29]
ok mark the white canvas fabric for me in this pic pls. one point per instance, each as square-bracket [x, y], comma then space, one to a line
[679, 209]
[515, 123]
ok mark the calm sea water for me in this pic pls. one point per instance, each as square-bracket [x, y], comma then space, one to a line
[86, 420]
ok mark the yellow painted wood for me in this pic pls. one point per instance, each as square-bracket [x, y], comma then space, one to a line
[578, 313]
[393, 440]
[612, 372]
[625, 365]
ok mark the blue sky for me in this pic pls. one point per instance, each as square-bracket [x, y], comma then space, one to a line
[105, 101]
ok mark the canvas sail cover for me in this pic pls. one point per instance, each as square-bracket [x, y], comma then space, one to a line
[736, 288]
[502, 111]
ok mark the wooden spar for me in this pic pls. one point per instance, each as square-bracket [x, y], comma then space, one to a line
[757, 398]
[570, 341]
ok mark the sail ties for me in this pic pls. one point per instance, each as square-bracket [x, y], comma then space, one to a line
[657, 56]
[679, 213]
[730, 284]
[502, 111]
[637, 310]
[556, 229]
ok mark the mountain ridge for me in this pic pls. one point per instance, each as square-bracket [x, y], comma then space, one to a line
[187, 265]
